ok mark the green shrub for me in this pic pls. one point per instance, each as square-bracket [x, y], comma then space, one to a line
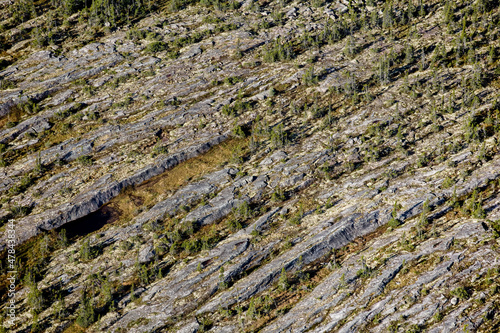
[93, 115]
[308, 78]
[296, 219]
[460, 292]
[242, 211]
[278, 51]
[87, 252]
[159, 150]
[20, 211]
[174, 54]
[251, 311]
[222, 281]
[22, 10]
[283, 280]
[155, 47]
[191, 245]
[153, 36]
[7, 84]
[448, 182]
[85, 313]
[30, 107]
[278, 195]
[232, 80]
[238, 132]
[35, 297]
[84, 160]
[62, 239]
[233, 224]
[279, 137]
[264, 25]
[136, 34]
[438, 316]
[415, 328]
[221, 4]
[394, 223]
[3, 162]
[406, 244]
[211, 19]
[495, 225]
[226, 27]
[227, 110]
[236, 155]
[423, 160]
[475, 206]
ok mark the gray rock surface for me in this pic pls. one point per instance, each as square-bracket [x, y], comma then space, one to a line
[242, 191]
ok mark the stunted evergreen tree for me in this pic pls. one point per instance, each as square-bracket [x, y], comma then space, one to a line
[387, 19]
[86, 315]
[283, 280]
[104, 12]
[35, 298]
[23, 10]
[278, 51]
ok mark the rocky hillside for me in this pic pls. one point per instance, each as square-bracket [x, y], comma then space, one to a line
[283, 166]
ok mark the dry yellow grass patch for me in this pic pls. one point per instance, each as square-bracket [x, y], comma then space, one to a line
[150, 192]
[74, 329]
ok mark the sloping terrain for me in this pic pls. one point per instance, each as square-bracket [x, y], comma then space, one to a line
[256, 166]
